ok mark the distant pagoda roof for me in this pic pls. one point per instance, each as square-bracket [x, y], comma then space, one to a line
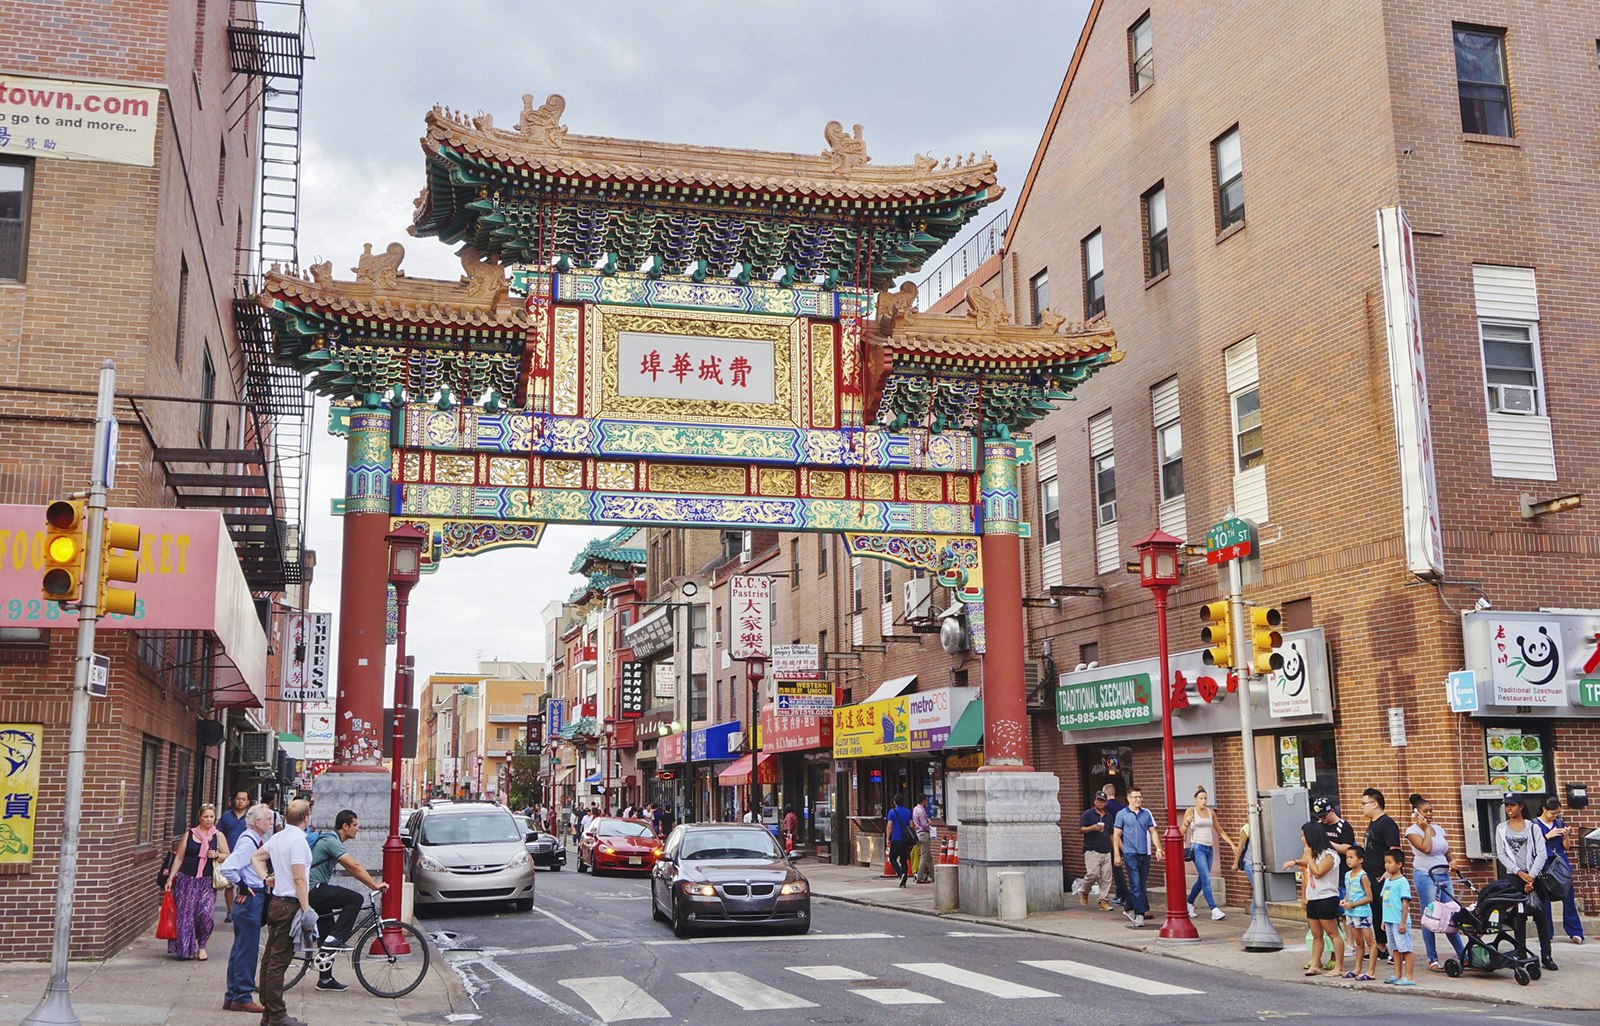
[609, 550]
[535, 193]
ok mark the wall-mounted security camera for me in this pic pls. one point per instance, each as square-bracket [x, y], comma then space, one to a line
[1482, 604]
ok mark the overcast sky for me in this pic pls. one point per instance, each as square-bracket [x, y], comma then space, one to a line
[936, 78]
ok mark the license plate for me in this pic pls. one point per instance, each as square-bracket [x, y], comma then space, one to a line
[635, 861]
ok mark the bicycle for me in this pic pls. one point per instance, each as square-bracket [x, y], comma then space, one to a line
[382, 970]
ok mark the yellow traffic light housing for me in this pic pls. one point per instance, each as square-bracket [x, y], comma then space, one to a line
[1216, 634]
[1265, 640]
[119, 564]
[63, 552]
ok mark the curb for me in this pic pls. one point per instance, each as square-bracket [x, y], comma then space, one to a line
[1167, 952]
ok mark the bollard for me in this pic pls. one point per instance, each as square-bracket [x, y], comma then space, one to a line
[946, 887]
[407, 902]
[1012, 901]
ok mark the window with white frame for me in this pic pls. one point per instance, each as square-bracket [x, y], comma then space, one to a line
[1521, 440]
[1228, 160]
[857, 603]
[1049, 493]
[1248, 449]
[1141, 55]
[1249, 444]
[1172, 514]
[1039, 294]
[1155, 221]
[1511, 367]
[1169, 450]
[1105, 489]
[1094, 276]
[1103, 465]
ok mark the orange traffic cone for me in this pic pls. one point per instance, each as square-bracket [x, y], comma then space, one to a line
[888, 870]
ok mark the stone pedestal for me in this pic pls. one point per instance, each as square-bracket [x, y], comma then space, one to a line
[1010, 822]
[367, 793]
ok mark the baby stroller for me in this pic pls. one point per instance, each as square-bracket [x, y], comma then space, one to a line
[1489, 930]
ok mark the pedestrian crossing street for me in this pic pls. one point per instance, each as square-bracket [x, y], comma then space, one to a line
[618, 999]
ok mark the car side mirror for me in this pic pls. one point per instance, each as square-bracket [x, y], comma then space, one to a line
[405, 839]
[792, 856]
[530, 837]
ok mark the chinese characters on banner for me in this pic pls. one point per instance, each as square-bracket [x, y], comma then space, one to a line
[556, 713]
[19, 789]
[750, 600]
[305, 671]
[665, 680]
[632, 688]
[693, 367]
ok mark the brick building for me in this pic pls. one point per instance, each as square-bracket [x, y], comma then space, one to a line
[1210, 180]
[129, 159]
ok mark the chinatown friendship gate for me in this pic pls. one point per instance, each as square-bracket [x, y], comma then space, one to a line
[658, 334]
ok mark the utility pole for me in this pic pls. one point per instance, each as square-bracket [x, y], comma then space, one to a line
[1260, 935]
[55, 1008]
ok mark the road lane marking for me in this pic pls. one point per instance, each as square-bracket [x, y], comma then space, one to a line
[974, 933]
[1095, 974]
[897, 997]
[553, 1002]
[585, 934]
[990, 985]
[750, 995]
[828, 972]
[545, 949]
[615, 998]
[789, 939]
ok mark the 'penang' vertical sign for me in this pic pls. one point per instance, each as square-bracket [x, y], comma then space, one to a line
[632, 689]
[750, 601]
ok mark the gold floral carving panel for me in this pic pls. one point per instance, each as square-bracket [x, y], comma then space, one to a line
[505, 471]
[877, 486]
[960, 489]
[777, 481]
[923, 488]
[827, 484]
[454, 470]
[614, 476]
[784, 334]
[824, 411]
[673, 477]
[410, 466]
[566, 362]
[563, 473]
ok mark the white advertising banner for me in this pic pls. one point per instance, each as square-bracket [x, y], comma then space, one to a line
[750, 608]
[305, 664]
[1289, 691]
[1534, 663]
[47, 117]
[793, 661]
[693, 367]
[665, 680]
[1419, 491]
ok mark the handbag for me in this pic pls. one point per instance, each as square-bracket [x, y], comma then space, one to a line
[1188, 852]
[1552, 884]
[218, 881]
[1439, 916]
[167, 925]
[165, 871]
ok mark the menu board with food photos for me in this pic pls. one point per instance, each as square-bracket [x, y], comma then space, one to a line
[1289, 761]
[1516, 760]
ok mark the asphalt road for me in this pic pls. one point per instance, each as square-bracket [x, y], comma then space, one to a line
[590, 953]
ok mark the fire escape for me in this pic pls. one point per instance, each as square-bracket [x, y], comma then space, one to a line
[260, 486]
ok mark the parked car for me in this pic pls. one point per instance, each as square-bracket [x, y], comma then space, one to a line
[468, 851]
[625, 845]
[543, 847]
[716, 875]
[405, 821]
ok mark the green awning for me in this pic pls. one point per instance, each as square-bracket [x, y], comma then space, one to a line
[285, 736]
[968, 731]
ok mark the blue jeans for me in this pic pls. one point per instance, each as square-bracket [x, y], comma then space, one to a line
[1204, 856]
[1138, 873]
[1428, 890]
[246, 948]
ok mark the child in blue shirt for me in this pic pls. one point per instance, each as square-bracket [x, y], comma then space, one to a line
[1357, 905]
[1397, 916]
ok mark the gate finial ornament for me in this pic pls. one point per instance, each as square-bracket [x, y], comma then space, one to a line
[844, 152]
[542, 124]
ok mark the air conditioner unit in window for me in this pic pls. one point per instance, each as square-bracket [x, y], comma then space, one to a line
[1518, 399]
[256, 748]
[918, 601]
[1038, 682]
[716, 638]
[1108, 512]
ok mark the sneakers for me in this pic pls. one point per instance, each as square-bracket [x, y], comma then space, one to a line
[333, 945]
[1136, 922]
[1191, 910]
[331, 984]
[1217, 913]
[1104, 906]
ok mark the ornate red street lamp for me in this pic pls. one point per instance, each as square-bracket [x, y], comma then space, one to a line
[1158, 571]
[609, 728]
[755, 668]
[405, 570]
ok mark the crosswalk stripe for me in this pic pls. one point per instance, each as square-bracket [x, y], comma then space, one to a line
[615, 998]
[896, 996]
[751, 995]
[1095, 974]
[828, 972]
[990, 985]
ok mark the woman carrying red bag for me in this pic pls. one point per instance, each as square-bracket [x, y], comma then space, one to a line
[189, 886]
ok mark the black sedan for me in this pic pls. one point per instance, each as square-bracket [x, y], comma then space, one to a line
[718, 875]
[545, 849]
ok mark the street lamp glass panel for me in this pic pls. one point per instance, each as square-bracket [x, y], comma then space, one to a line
[1166, 566]
[1147, 570]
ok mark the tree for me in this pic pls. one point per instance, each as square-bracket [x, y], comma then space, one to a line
[525, 789]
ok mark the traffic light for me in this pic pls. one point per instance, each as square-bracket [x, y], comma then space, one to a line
[1216, 634]
[63, 552]
[1265, 640]
[119, 564]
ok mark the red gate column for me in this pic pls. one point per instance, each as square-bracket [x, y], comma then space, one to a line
[363, 591]
[1005, 711]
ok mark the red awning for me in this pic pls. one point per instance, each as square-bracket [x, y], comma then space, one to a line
[738, 771]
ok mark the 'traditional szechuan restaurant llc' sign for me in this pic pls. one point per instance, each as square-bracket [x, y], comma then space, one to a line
[1104, 703]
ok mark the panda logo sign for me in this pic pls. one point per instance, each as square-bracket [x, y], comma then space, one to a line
[1526, 662]
[1289, 689]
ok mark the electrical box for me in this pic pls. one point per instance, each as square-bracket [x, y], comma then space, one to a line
[1577, 796]
[1284, 810]
[1482, 811]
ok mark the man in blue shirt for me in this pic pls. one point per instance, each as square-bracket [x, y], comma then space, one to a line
[247, 906]
[231, 823]
[900, 837]
[1133, 842]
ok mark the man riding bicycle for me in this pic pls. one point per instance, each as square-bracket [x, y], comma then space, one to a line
[329, 899]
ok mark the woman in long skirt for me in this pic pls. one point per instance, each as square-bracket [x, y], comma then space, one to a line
[201, 847]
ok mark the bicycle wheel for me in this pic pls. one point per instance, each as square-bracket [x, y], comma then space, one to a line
[383, 971]
[297, 970]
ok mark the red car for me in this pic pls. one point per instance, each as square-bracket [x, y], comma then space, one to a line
[626, 845]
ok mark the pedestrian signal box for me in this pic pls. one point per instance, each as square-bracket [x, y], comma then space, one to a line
[63, 552]
[1216, 634]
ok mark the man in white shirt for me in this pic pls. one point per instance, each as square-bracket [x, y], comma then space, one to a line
[285, 863]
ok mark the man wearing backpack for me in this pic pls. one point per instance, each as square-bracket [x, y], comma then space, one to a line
[327, 854]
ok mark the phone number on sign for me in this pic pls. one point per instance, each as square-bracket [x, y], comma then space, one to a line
[35, 610]
[1112, 716]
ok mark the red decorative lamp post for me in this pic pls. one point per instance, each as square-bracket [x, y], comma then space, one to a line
[405, 570]
[755, 668]
[1158, 571]
[609, 728]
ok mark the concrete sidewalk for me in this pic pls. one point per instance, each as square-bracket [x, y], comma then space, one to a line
[142, 986]
[1572, 987]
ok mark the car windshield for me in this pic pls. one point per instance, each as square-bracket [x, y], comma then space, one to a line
[729, 844]
[622, 828]
[469, 829]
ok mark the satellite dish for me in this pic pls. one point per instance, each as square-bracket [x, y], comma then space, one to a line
[953, 635]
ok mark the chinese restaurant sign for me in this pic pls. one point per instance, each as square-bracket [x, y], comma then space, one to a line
[1538, 662]
[1104, 703]
[632, 688]
[750, 599]
[305, 671]
[665, 680]
[693, 368]
[20, 745]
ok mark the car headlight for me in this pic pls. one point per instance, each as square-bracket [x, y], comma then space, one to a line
[518, 860]
[429, 864]
[700, 890]
[606, 849]
[797, 887]
[656, 852]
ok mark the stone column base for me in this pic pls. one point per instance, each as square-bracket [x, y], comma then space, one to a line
[1010, 822]
[365, 793]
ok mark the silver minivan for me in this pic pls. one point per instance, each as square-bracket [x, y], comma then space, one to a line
[466, 852]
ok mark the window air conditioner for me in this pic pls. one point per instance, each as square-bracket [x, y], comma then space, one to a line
[1518, 399]
[257, 748]
[918, 598]
[1036, 674]
[1108, 512]
[716, 639]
